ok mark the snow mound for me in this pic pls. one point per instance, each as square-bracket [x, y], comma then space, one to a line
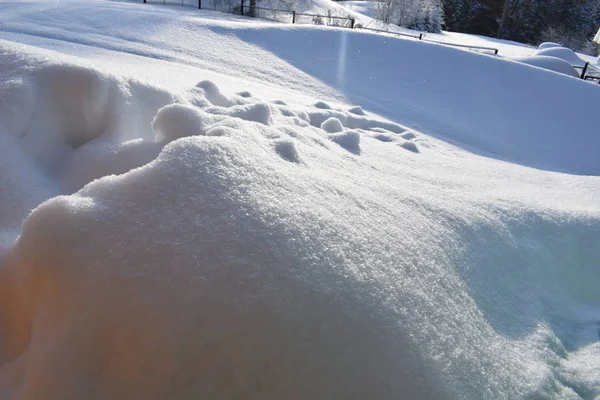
[383, 137]
[332, 125]
[322, 105]
[351, 120]
[408, 135]
[287, 150]
[357, 110]
[196, 215]
[548, 45]
[410, 146]
[349, 140]
[550, 63]
[214, 95]
[105, 157]
[176, 121]
[561, 52]
[258, 112]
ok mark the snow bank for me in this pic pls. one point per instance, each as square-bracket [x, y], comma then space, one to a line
[550, 63]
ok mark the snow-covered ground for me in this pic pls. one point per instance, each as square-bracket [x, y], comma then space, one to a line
[199, 205]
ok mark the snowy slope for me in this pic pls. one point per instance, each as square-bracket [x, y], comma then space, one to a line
[465, 98]
[230, 215]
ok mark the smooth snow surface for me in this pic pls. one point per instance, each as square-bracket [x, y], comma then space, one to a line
[200, 206]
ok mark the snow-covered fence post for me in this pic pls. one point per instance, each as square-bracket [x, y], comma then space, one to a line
[585, 68]
[293, 17]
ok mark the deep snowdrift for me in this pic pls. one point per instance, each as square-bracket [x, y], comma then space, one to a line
[222, 241]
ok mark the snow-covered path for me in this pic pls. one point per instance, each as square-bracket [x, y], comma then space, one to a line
[222, 210]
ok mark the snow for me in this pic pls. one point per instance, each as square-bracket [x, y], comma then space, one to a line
[366, 8]
[357, 110]
[550, 63]
[332, 125]
[548, 45]
[195, 205]
[562, 53]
